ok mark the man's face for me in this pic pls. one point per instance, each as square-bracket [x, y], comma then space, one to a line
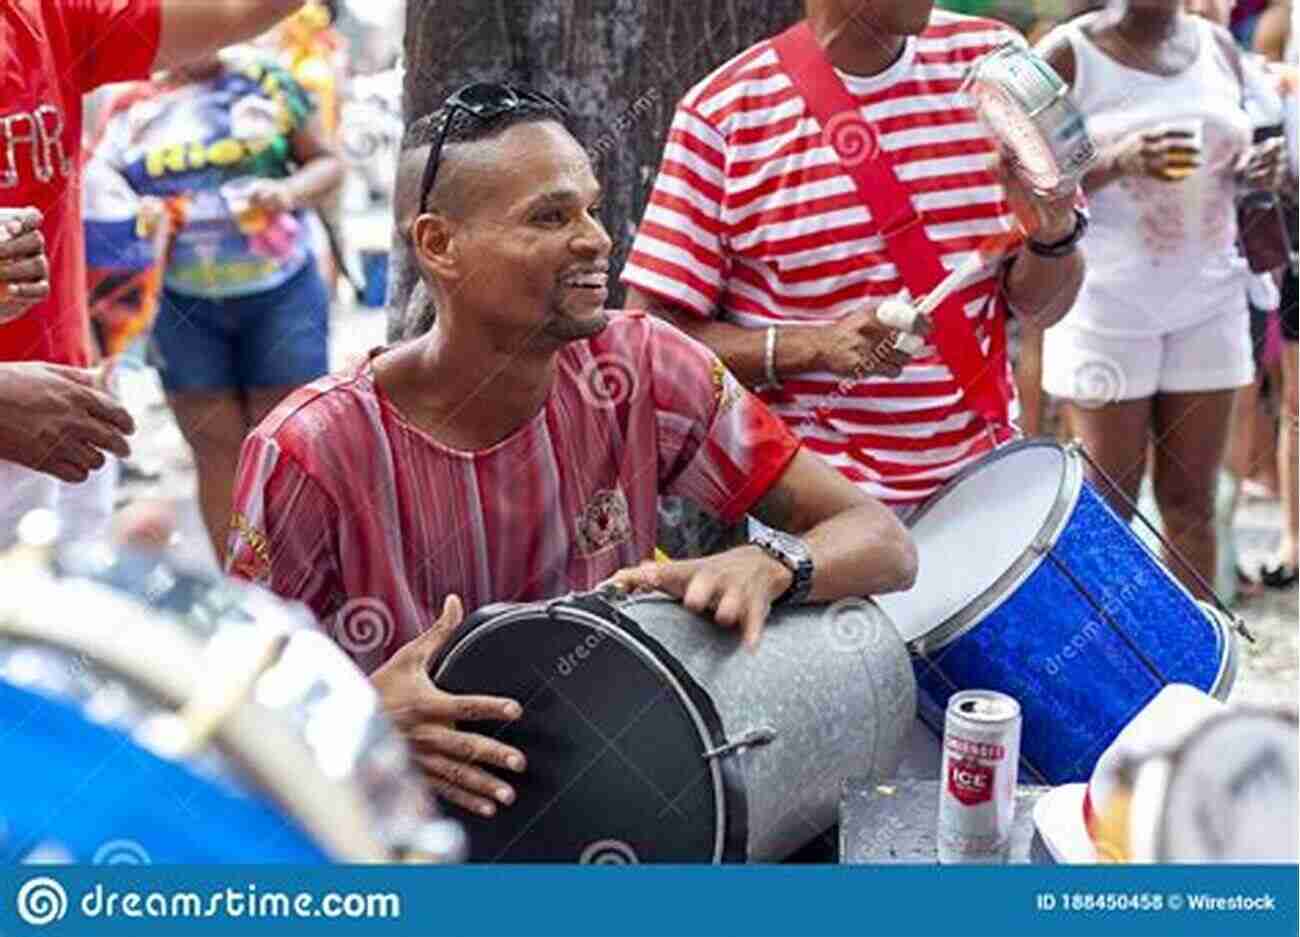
[890, 17]
[531, 253]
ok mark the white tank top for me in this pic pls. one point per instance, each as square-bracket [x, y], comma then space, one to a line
[1161, 256]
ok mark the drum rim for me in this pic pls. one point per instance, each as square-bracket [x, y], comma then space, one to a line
[1230, 659]
[966, 619]
[731, 831]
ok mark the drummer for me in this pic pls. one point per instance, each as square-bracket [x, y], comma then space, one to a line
[755, 241]
[516, 451]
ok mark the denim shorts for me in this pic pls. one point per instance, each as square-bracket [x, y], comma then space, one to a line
[271, 339]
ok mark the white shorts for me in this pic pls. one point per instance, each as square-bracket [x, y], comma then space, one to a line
[1085, 367]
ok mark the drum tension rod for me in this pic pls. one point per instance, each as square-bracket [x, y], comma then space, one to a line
[754, 738]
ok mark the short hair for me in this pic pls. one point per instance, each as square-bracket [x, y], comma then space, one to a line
[464, 127]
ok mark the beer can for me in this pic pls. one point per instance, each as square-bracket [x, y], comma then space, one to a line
[981, 752]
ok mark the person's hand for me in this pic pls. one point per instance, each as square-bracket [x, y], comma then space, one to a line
[860, 344]
[1167, 154]
[273, 196]
[1264, 166]
[24, 265]
[56, 421]
[427, 717]
[735, 588]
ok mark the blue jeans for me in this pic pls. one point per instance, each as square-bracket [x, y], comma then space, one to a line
[271, 339]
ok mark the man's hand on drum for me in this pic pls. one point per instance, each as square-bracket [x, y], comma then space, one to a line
[24, 266]
[860, 344]
[736, 588]
[57, 421]
[428, 717]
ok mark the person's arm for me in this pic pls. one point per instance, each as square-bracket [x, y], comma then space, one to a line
[1273, 30]
[192, 29]
[679, 264]
[858, 547]
[319, 174]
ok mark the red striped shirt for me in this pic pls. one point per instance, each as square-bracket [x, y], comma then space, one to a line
[344, 505]
[754, 219]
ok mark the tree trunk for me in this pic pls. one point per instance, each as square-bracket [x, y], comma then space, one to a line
[620, 65]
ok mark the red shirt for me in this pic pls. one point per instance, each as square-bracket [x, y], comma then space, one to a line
[754, 219]
[343, 504]
[51, 53]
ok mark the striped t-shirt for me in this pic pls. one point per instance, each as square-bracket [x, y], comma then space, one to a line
[754, 219]
[344, 505]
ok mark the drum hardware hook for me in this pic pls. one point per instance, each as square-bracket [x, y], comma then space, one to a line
[754, 738]
[1239, 625]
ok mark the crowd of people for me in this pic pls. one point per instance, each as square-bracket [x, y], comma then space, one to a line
[517, 448]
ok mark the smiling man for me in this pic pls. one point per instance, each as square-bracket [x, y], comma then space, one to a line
[515, 452]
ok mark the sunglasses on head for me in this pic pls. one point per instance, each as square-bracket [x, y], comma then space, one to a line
[482, 100]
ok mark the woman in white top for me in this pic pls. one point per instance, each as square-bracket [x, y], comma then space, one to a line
[1158, 340]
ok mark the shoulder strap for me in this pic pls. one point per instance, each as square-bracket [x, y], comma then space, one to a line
[983, 380]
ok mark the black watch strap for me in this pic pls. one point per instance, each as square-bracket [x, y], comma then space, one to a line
[1065, 245]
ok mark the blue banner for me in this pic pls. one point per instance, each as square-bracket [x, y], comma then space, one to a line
[572, 901]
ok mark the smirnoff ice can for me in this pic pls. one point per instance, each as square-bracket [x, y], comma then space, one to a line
[981, 750]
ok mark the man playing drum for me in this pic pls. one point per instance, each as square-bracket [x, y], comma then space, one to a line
[757, 239]
[516, 451]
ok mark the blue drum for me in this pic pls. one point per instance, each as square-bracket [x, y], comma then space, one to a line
[1030, 585]
[155, 716]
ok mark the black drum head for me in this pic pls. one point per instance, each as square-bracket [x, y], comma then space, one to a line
[613, 736]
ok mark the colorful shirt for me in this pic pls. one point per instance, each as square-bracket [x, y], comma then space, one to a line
[51, 53]
[754, 219]
[209, 141]
[341, 503]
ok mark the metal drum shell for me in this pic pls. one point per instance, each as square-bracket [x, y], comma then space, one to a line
[311, 705]
[830, 687]
[1016, 74]
[1080, 561]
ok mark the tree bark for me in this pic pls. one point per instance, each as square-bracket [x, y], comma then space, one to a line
[620, 65]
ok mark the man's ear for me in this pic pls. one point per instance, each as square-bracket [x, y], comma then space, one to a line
[432, 238]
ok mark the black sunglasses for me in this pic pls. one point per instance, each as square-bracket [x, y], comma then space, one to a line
[482, 100]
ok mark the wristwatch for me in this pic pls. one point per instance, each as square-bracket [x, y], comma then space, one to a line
[793, 554]
[1065, 245]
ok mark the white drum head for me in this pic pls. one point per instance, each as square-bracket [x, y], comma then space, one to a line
[974, 533]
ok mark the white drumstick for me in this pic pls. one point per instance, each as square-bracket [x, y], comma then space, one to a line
[949, 284]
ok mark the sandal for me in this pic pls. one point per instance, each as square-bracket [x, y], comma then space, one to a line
[1280, 576]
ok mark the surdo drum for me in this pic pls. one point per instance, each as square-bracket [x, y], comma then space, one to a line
[652, 736]
[1030, 585]
[164, 717]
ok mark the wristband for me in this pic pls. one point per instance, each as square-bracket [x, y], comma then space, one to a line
[1064, 246]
